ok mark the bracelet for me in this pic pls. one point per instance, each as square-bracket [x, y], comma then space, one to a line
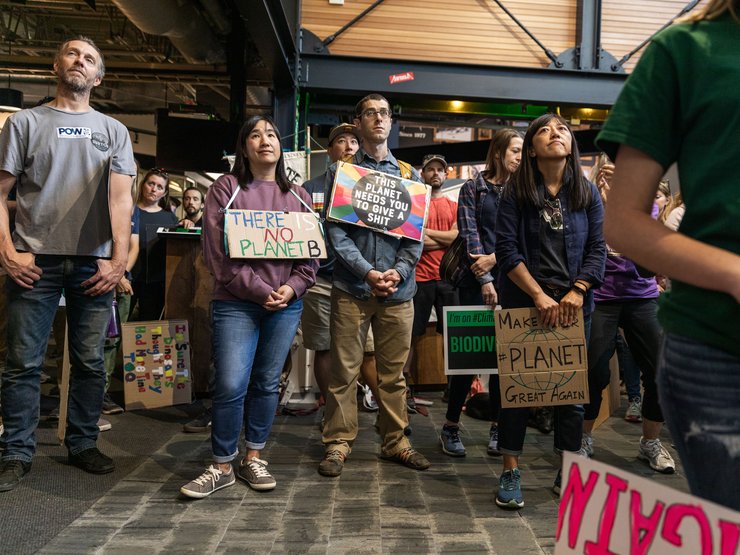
[581, 292]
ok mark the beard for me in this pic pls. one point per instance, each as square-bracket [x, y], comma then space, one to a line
[76, 83]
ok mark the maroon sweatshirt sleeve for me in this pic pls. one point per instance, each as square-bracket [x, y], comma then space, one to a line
[237, 277]
[303, 274]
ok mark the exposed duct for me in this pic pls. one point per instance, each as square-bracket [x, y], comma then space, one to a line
[180, 21]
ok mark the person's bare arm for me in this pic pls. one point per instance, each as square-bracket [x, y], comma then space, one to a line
[443, 238]
[630, 229]
[110, 271]
[20, 266]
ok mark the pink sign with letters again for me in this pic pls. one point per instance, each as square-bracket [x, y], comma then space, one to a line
[607, 511]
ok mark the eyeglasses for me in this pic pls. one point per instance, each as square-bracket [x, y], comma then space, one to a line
[160, 171]
[385, 113]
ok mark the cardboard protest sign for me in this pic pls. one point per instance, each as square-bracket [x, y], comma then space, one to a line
[386, 203]
[156, 363]
[268, 234]
[296, 166]
[469, 340]
[607, 510]
[540, 366]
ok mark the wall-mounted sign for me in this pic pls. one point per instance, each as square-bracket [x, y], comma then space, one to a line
[401, 77]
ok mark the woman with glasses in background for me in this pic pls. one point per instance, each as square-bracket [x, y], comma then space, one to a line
[551, 253]
[151, 211]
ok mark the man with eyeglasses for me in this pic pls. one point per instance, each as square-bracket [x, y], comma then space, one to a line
[344, 142]
[73, 167]
[373, 285]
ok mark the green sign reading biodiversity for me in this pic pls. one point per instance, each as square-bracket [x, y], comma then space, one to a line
[469, 340]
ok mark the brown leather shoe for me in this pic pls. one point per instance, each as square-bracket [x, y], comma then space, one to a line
[332, 463]
[409, 457]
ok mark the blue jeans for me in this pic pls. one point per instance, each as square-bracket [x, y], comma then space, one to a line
[699, 389]
[250, 345]
[30, 316]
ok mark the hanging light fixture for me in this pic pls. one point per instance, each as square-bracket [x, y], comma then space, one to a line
[11, 100]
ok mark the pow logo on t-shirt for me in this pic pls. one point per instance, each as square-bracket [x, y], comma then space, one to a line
[99, 140]
[74, 133]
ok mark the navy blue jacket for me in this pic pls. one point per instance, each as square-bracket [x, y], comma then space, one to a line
[518, 240]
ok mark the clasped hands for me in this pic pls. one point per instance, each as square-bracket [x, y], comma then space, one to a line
[383, 284]
[278, 300]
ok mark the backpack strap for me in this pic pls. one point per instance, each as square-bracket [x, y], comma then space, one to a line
[407, 171]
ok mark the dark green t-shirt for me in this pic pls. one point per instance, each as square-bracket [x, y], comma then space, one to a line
[682, 104]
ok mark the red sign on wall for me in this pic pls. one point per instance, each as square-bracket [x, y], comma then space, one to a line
[401, 77]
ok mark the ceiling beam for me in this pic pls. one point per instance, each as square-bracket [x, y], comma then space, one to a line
[358, 76]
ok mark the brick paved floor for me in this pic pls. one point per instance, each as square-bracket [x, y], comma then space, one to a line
[374, 507]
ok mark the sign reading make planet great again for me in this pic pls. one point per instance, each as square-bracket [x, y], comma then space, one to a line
[268, 234]
[386, 203]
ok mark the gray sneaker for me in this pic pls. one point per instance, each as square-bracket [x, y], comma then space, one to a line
[211, 480]
[104, 425]
[659, 459]
[587, 446]
[255, 474]
[451, 443]
[492, 448]
[200, 424]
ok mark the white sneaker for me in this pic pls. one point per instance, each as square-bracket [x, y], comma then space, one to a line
[634, 411]
[659, 459]
[587, 446]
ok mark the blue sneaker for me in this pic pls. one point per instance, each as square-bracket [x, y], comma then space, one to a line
[450, 440]
[510, 490]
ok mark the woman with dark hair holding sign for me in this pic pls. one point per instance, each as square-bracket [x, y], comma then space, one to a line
[255, 310]
[551, 253]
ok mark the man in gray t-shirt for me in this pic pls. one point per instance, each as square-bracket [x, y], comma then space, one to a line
[73, 170]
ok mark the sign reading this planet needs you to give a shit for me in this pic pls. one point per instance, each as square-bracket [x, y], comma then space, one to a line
[386, 203]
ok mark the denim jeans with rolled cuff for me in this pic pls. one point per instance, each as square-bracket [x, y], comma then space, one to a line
[699, 388]
[30, 315]
[250, 346]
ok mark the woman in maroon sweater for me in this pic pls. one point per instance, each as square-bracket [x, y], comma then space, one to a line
[255, 311]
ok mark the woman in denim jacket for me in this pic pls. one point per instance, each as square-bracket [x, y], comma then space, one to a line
[551, 253]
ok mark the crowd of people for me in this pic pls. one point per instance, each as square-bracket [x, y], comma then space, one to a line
[534, 231]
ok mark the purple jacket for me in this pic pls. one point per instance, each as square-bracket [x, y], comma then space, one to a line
[251, 279]
[622, 282]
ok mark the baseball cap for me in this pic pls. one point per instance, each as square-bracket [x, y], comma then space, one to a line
[434, 157]
[343, 128]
